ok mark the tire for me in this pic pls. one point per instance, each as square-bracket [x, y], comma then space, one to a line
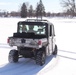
[13, 56]
[55, 50]
[40, 58]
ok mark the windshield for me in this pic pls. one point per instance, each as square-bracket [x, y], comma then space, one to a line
[37, 29]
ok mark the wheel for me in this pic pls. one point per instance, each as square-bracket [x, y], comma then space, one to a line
[55, 50]
[13, 56]
[40, 58]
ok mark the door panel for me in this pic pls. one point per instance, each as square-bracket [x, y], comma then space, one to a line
[51, 39]
[50, 45]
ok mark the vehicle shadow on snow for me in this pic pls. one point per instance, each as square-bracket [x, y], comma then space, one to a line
[24, 67]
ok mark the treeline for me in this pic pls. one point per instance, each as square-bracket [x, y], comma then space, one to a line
[47, 14]
[27, 10]
[11, 14]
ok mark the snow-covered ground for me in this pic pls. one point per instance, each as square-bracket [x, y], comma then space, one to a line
[63, 64]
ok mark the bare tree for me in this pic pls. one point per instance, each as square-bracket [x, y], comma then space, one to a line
[70, 6]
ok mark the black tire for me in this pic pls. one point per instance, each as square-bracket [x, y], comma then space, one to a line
[55, 50]
[40, 58]
[13, 56]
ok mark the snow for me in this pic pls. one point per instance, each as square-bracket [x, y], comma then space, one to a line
[63, 64]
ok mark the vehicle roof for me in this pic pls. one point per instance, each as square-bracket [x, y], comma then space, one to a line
[38, 21]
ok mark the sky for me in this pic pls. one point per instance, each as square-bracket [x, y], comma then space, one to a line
[14, 5]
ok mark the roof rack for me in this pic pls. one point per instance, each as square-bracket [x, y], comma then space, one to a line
[36, 20]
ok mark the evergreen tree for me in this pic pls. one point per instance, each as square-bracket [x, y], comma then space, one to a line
[37, 8]
[24, 10]
[30, 11]
[40, 9]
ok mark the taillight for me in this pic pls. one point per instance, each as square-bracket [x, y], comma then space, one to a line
[39, 42]
[8, 40]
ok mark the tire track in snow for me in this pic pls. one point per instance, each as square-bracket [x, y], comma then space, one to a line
[67, 51]
[3, 45]
[67, 57]
[67, 54]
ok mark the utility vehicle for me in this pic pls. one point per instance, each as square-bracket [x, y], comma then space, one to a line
[34, 39]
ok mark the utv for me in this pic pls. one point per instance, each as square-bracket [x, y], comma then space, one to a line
[34, 39]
